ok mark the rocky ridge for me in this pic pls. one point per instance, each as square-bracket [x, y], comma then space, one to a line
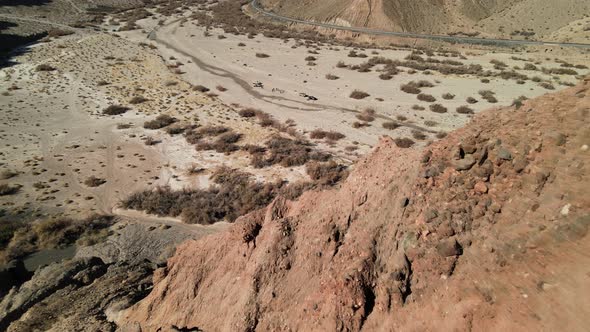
[470, 233]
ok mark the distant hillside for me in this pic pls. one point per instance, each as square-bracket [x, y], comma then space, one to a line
[503, 18]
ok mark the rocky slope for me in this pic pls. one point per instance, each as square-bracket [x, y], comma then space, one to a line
[484, 230]
[492, 18]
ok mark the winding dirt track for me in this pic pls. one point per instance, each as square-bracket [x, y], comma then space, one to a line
[275, 100]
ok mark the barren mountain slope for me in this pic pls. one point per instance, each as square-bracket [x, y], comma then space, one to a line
[492, 17]
[484, 230]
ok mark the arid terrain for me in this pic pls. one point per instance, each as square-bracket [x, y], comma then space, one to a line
[243, 174]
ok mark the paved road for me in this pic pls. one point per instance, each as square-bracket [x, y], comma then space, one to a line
[451, 39]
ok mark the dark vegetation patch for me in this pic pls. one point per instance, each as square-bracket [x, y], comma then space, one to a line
[161, 121]
[93, 181]
[115, 110]
[404, 142]
[358, 94]
[438, 108]
[286, 152]
[329, 135]
[18, 239]
[426, 98]
[8, 189]
[233, 194]
[464, 110]
[44, 67]
[390, 125]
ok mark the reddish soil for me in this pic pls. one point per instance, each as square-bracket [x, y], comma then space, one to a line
[483, 230]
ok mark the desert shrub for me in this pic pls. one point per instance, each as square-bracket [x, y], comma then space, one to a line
[56, 233]
[328, 173]
[448, 96]
[536, 79]
[404, 142]
[233, 194]
[419, 135]
[194, 135]
[56, 32]
[559, 71]
[547, 85]
[357, 124]
[390, 125]
[385, 76]
[93, 181]
[341, 64]
[262, 55]
[44, 67]
[201, 88]
[115, 110]
[365, 117]
[471, 100]
[160, 121]
[409, 88]
[330, 135]
[438, 108]
[287, 152]
[247, 112]
[241, 44]
[310, 58]
[137, 100]
[149, 141]
[423, 84]
[425, 97]
[530, 66]
[7, 174]
[417, 108]
[123, 126]
[464, 110]
[357, 94]
[430, 123]
[266, 120]
[441, 134]
[401, 117]
[7, 189]
[175, 130]
[331, 77]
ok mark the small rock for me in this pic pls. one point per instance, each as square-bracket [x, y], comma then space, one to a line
[504, 154]
[431, 172]
[448, 248]
[565, 210]
[496, 208]
[558, 139]
[519, 164]
[468, 148]
[584, 147]
[480, 188]
[465, 164]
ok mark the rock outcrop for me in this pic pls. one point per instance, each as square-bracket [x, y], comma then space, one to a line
[484, 230]
[74, 296]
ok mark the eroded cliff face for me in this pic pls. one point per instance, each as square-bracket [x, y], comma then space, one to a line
[497, 18]
[475, 232]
